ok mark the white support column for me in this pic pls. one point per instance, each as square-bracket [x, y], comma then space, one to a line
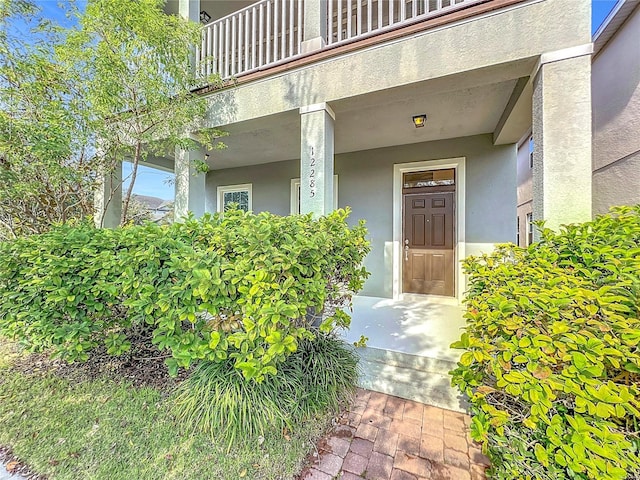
[315, 25]
[316, 159]
[190, 184]
[562, 141]
[107, 200]
[189, 9]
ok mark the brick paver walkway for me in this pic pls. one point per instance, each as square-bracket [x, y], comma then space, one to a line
[389, 438]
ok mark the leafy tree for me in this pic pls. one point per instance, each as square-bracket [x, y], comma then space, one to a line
[119, 84]
[135, 63]
[45, 170]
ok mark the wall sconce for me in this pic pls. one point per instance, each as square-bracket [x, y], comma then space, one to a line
[204, 17]
[419, 120]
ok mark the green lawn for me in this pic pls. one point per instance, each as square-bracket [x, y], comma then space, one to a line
[106, 429]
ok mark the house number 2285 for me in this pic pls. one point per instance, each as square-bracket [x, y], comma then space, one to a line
[312, 174]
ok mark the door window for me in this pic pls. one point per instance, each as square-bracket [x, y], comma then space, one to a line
[431, 178]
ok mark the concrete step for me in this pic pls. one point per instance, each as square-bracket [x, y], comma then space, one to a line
[406, 360]
[422, 379]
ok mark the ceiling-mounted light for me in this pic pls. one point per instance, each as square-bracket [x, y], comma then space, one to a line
[419, 120]
[204, 17]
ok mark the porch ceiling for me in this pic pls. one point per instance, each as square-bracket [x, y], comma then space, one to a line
[381, 119]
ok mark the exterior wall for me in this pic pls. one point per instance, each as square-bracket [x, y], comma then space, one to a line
[615, 85]
[525, 190]
[365, 181]
[271, 185]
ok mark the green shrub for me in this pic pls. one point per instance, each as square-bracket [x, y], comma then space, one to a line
[318, 378]
[237, 286]
[552, 364]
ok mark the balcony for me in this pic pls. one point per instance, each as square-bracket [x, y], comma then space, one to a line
[272, 32]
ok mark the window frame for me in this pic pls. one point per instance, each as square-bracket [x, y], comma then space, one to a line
[530, 228]
[294, 204]
[241, 187]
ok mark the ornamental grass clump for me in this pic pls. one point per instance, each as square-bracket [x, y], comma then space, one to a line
[551, 361]
[315, 380]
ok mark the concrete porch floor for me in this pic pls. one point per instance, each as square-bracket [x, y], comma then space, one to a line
[415, 324]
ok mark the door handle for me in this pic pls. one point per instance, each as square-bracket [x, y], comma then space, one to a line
[406, 250]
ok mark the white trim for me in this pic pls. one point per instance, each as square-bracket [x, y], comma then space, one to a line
[242, 187]
[294, 203]
[318, 107]
[459, 164]
[564, 54]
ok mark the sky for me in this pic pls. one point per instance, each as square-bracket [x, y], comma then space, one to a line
[149, 181]
[157, 183]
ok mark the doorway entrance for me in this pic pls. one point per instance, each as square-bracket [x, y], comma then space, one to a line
[428, 232]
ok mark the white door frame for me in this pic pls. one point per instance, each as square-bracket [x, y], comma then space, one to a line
[399, 169]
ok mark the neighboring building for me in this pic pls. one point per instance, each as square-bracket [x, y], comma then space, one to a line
[615, 86]
[615, 100]
[410, 112]
[154, 209]
[524, 219]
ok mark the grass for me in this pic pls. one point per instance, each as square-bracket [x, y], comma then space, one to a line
[103, 429]
[318, 378]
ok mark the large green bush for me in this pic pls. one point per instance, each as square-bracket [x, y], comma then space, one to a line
[552, 364]
[237, 286]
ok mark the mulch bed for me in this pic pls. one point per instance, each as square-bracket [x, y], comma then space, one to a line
[142, 366]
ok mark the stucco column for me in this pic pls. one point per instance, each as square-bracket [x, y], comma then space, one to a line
[562, 142]
[189, 9]
[190, 184]
[316, 159]
[315, 25]
[107, 200]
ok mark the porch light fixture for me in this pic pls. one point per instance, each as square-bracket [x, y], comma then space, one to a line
[204, 17]
[419, 120]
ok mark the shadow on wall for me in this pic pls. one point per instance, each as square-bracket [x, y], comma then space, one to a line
[301, 92]
[223, 108]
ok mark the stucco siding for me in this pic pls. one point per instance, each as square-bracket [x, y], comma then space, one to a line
[271, 185]
[616, 119]
[617, 184]
[365, 181]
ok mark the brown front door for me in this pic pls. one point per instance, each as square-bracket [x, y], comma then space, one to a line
[428, 241]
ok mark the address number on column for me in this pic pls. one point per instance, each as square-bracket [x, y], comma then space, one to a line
[311, 181]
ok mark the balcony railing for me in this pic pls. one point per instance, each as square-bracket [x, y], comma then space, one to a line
[271, 31]
[262, 34]
[355, 19]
